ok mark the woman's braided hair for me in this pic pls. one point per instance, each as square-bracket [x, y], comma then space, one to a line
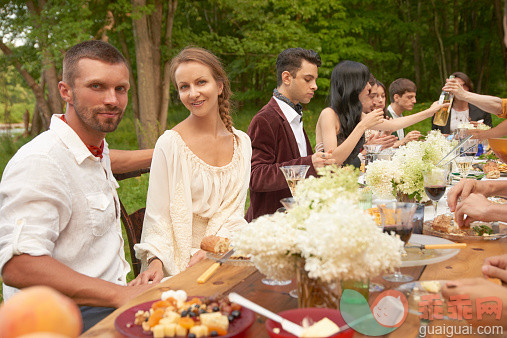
[207, 58]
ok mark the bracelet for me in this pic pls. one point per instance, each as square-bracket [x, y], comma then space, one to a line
[152, 259]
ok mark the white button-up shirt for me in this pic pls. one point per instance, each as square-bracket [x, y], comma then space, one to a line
[295, 124]
[57, 199]
[399, 132]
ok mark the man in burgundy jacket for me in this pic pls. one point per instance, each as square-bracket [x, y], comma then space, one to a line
[277, 133]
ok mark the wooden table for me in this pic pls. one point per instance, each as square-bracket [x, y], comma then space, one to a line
[246, 280]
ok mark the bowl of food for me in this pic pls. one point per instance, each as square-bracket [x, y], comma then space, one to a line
[307, 317]
[499, 147]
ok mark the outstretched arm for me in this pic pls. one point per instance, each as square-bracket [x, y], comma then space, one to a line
[490, 104]
[403, 122]
[123, 161]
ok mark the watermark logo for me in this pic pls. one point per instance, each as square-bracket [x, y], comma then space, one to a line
[390, 308]
[459, 307]
[386, 314]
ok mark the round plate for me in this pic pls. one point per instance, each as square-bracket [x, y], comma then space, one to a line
[417, 257]
[124, 323]
[499, 231]
[313, 314]
[413, 291]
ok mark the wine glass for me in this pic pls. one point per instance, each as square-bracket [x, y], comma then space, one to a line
[372, 151]
[288, 203]
[293, 174]
[435, 182]
[464, 164]
[398, 218]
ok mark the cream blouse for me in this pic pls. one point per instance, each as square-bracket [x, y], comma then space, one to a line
[189, 199]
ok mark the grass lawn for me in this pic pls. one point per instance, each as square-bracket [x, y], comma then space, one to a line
[133, 191]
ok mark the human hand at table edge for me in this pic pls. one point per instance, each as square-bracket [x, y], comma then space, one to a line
[197, 257]
[495, 267]
[477, 288]
[463, 189]
[476, 207]
[153, 274]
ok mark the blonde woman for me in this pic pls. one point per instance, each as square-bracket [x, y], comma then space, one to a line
[199, 173]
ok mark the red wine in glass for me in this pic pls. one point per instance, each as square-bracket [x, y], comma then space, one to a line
[404, 232]
[435, 193]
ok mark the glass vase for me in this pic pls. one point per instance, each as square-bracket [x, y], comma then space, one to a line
[313, 292]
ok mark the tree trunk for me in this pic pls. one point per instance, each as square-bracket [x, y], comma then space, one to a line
[166, 79]
[440, 45]
[148, 82]
[37, 119]
[455, 55]
[38, 92]
[51, 77]
[416, 46]
[36, 122]
[153, 78]
[133, 84]
[501, 33]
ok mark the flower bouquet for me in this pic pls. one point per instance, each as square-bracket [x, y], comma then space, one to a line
[403, 174]
[327, 237]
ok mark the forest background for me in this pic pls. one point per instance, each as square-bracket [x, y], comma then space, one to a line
[418, 39]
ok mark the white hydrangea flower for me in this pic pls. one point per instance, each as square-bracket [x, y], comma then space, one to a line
[404, 173]
[337, 239]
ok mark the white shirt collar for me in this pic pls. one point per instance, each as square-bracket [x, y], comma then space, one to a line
[393, 113]
[290, 114]
[72, 140]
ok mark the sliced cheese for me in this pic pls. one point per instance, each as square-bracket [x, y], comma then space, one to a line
[431, 286]
[323, 328]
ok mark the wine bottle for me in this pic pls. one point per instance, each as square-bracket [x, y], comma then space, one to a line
[442, 115]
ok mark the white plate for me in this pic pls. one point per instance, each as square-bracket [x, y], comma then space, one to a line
[417, 257]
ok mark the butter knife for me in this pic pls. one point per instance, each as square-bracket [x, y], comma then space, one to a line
[211, 270]
[436, 246]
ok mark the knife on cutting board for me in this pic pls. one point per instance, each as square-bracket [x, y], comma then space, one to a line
[211, 270]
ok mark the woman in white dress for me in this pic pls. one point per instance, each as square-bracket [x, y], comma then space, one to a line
[199, 173]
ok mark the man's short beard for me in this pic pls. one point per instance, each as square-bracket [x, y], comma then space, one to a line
[89, 117]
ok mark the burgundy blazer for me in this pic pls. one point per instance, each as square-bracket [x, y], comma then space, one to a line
[273, 146]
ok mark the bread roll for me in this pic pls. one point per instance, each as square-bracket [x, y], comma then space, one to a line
[215, 244]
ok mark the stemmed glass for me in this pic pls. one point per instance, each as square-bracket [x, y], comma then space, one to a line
[464, 164]
[398, 218]
[289, 203]
[435, 182]
[293, 174]
[372, 151]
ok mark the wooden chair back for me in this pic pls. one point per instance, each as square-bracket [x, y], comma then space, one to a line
[133, 222]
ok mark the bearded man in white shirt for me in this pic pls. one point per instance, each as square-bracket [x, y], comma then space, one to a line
[59, 210]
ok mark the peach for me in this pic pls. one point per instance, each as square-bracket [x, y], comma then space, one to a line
[39, 309]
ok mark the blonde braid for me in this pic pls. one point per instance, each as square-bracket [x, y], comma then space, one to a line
[223, 109]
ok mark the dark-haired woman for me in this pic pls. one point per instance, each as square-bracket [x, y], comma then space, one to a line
[341, 126]
[199, 174]
[461, 111]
